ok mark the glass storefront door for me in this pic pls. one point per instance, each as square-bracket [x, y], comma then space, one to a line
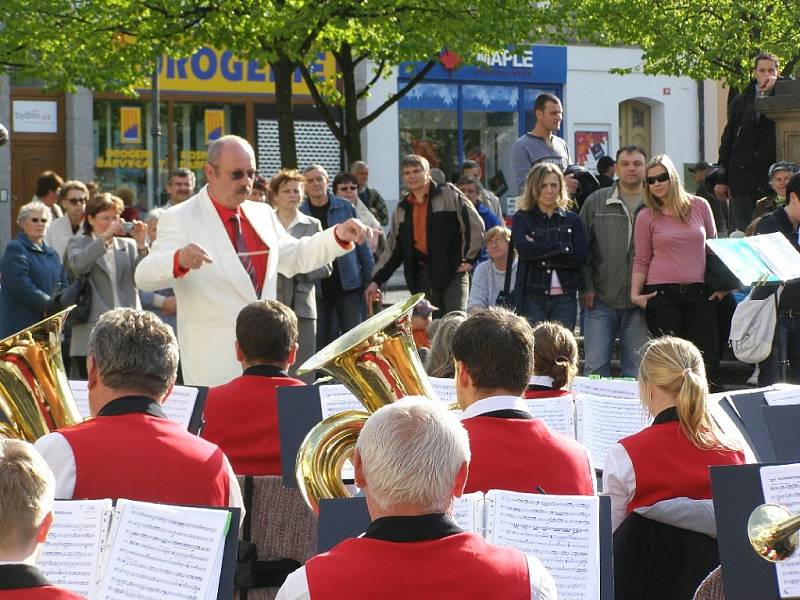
[429, 125]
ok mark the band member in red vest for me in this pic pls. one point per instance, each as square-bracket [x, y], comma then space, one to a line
[667, 463]
[130, 449]
[241, 417]
[511, 450]
[27, 487]
[555, 361]
[411, 460]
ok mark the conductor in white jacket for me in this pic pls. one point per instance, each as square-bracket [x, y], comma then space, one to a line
[219, 252]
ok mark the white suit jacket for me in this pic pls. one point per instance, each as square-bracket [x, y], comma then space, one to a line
[210, 298]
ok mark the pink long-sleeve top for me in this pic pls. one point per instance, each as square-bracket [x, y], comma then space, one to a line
[669, 251]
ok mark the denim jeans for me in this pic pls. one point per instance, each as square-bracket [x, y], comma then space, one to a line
[783, 364]
[562, 308]
[603, 325]
[339, 315]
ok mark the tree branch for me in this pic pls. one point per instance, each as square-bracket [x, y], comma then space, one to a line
[397, 96]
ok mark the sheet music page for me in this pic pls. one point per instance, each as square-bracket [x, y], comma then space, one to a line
[468, 512]
[445, 388]
[336, 398]
[161, 551]
[607, 387]
[605, 421]
[179, 405]
[558, 413]
[740, 257]
[561, 531]
[781, 485]
[779, 255]
[71, 555]
[782, 397]
[80, 391]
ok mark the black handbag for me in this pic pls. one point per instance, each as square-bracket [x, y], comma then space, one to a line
[508, 298]
[77, 293]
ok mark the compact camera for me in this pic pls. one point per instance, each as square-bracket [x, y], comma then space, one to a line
[127, 226]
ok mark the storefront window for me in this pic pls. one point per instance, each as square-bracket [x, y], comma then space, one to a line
[429, 125]
[490, 130]
[197, 125]
[123, 146]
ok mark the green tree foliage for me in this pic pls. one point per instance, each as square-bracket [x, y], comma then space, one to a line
[702, 39]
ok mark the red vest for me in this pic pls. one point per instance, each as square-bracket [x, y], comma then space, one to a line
[520, 454]
[142, 457]
[40, 592]
[241, 417]
[531, 394]
[667, 465]
[462, 566]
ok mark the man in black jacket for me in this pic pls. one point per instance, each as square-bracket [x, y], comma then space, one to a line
[747, 148]
[436, 234]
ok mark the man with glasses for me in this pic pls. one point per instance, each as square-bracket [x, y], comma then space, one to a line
[608, 216]
[73, 197]
[219, 252]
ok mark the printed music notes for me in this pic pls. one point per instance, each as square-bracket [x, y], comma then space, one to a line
[336, 398]
[781, 485]
[606, 387]
[783, 395]
[602, 422]
[445, 389]
[70, 556]
[558, 413]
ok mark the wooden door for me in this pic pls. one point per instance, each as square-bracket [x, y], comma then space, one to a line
[634, 125]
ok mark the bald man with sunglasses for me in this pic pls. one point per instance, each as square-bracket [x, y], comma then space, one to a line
[219, 252]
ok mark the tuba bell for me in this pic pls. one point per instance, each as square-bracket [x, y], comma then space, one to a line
[378, 362]
[35, 397]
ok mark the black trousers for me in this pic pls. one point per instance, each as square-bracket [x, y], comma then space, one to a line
[686, 312]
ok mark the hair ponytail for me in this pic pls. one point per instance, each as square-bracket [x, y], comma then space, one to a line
[555, 353]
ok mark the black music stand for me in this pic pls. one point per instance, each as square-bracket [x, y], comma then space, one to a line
[749, 406]
[196, 422]
[783, 424]
[342, 518]
[737, 491]
[299, 410]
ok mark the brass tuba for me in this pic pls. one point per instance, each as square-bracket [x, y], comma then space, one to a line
[35, 397]
[378, 362]
[772, 531]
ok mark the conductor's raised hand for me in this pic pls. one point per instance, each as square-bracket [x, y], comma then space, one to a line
[193, 256]
[353, 230]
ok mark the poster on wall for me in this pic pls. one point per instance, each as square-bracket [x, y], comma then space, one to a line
[130, 120]
[215, 124]
[35, 116]
[590, 146]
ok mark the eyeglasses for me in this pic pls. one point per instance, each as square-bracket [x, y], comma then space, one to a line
[39, 219]
[237, 174]
[658, 179]
[348, 188]
[75, 201]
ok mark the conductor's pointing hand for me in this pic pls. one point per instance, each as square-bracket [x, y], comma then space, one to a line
[354, 231]
[193, 256]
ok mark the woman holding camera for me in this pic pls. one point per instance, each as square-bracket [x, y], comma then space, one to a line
[109, 259]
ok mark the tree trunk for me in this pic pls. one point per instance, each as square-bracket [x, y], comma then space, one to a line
[352, 128]
[283, 70]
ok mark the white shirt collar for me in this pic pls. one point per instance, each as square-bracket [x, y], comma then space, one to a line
[542, 380]
[493, 403]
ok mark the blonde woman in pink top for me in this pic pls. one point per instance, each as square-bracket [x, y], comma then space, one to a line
[670, 263]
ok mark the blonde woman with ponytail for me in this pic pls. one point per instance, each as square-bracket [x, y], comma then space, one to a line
[668, 460]
[555, 361]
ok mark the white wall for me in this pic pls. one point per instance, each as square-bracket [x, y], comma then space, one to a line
[592, 96]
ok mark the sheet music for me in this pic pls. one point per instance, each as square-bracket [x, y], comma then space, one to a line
[336, 398]
[558, 413]
[607, 387]
[779, 255]
[781, 485]
[468, 512]
[741, 258]
[178, 406]
[605, 421]
[71, 555]
[788, 395]
[161, 551]
[445, 388]
[80, 392]
[561, 531]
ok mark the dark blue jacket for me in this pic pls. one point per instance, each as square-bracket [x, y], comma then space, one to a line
[355, 268]
[28, 277]
[558, 242]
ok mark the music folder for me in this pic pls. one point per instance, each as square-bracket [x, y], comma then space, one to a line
[737, 490]
[342, 518]
[299, 410]
[783, 424]
[749, 406]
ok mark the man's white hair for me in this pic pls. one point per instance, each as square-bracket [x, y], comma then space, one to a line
[411, 452]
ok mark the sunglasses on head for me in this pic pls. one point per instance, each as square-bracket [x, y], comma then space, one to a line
[658, 178]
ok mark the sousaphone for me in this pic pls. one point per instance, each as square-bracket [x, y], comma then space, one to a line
[378, 362]
[35, 397]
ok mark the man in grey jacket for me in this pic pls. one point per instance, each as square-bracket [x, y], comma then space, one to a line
[608, 216]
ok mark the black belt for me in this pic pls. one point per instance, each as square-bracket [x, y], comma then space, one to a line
[678, 288]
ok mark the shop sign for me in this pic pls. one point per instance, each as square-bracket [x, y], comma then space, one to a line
[123, 158]
[192, 159]
[35, 116]
[211, 71]
[539, 64]
[214, 120]
[130, 119]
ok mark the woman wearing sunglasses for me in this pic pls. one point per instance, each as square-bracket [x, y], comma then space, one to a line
[30, 271]
[73, 197]
[670, 264]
